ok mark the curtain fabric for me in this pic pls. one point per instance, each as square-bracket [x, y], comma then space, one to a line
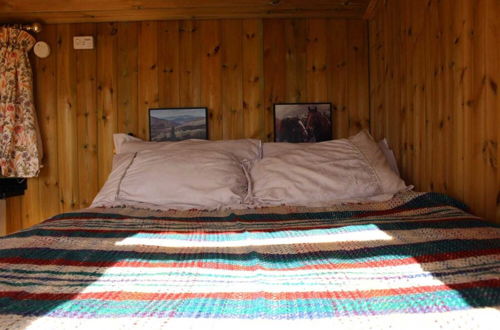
[20, 149]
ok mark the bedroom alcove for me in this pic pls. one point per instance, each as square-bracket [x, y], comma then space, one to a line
[424, 74]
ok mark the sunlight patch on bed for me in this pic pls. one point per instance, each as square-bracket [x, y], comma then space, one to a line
[360, 236]
[450, 320]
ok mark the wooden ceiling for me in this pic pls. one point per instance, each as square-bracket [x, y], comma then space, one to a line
[73, 11]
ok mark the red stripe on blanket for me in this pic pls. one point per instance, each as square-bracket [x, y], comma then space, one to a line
[121, 295]
[223, 266]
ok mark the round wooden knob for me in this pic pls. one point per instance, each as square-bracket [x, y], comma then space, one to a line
[36, 27]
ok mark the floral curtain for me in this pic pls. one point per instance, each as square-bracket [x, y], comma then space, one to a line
[20, 144]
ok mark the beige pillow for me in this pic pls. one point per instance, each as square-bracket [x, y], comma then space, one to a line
[247, 150]
[273, 148]
[177, 179]
[345, 170]
[185, 180]
[131, 153]
[389, 155]
[109, 192]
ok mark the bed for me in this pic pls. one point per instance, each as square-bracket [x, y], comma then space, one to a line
[233, 234]
[416, 259]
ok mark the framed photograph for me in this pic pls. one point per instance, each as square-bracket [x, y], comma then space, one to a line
[302, 122]
[176, 124]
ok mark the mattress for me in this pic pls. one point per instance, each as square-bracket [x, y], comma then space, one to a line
[418, 260]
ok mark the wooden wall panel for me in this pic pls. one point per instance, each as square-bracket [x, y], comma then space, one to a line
[107, 96]
[86, 119]
[169, 71]
[316, 60]
[434, 93]
[253, 79]
[127, 77]
[338, 76]
[77, 11]
[296, 50]
[236, 68]
[492, 155]
[275, 83]
[471, 70]
[14, 215]
[189, 63]
[358, 92]
[211, 73]
[232, 93]
[148, 75]
[316, 68]
[66, 117]
[46, 101]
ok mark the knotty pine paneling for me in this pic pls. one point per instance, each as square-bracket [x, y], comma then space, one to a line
[78, 11]
[236, 68]
[435, 70]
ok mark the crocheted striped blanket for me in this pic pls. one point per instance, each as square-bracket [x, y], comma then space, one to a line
[418, 260]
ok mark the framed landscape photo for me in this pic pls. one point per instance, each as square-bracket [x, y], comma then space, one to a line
[176, 124]
[302, 122]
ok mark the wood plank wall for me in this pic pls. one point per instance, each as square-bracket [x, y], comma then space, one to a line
[435, 71]
[237, 68]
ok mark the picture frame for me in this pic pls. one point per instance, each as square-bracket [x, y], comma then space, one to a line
[177, 124]
[303, 122]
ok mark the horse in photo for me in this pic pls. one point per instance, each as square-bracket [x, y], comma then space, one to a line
[318, 125]
[292, 129]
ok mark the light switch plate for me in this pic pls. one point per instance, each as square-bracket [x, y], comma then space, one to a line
[83, 42]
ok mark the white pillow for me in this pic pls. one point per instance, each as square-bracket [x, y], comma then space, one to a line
[325, 173]
[178, 179]
[389, 155]
[247, 150]
[185, 180]
[176, 175]
[273, 148]
[121, 140]
[108, 194]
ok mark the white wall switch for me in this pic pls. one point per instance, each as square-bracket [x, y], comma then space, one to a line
[83, 42]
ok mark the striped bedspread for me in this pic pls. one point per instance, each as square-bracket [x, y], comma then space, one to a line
[417, 261]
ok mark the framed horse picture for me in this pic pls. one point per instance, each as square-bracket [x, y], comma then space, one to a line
[302, 122]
